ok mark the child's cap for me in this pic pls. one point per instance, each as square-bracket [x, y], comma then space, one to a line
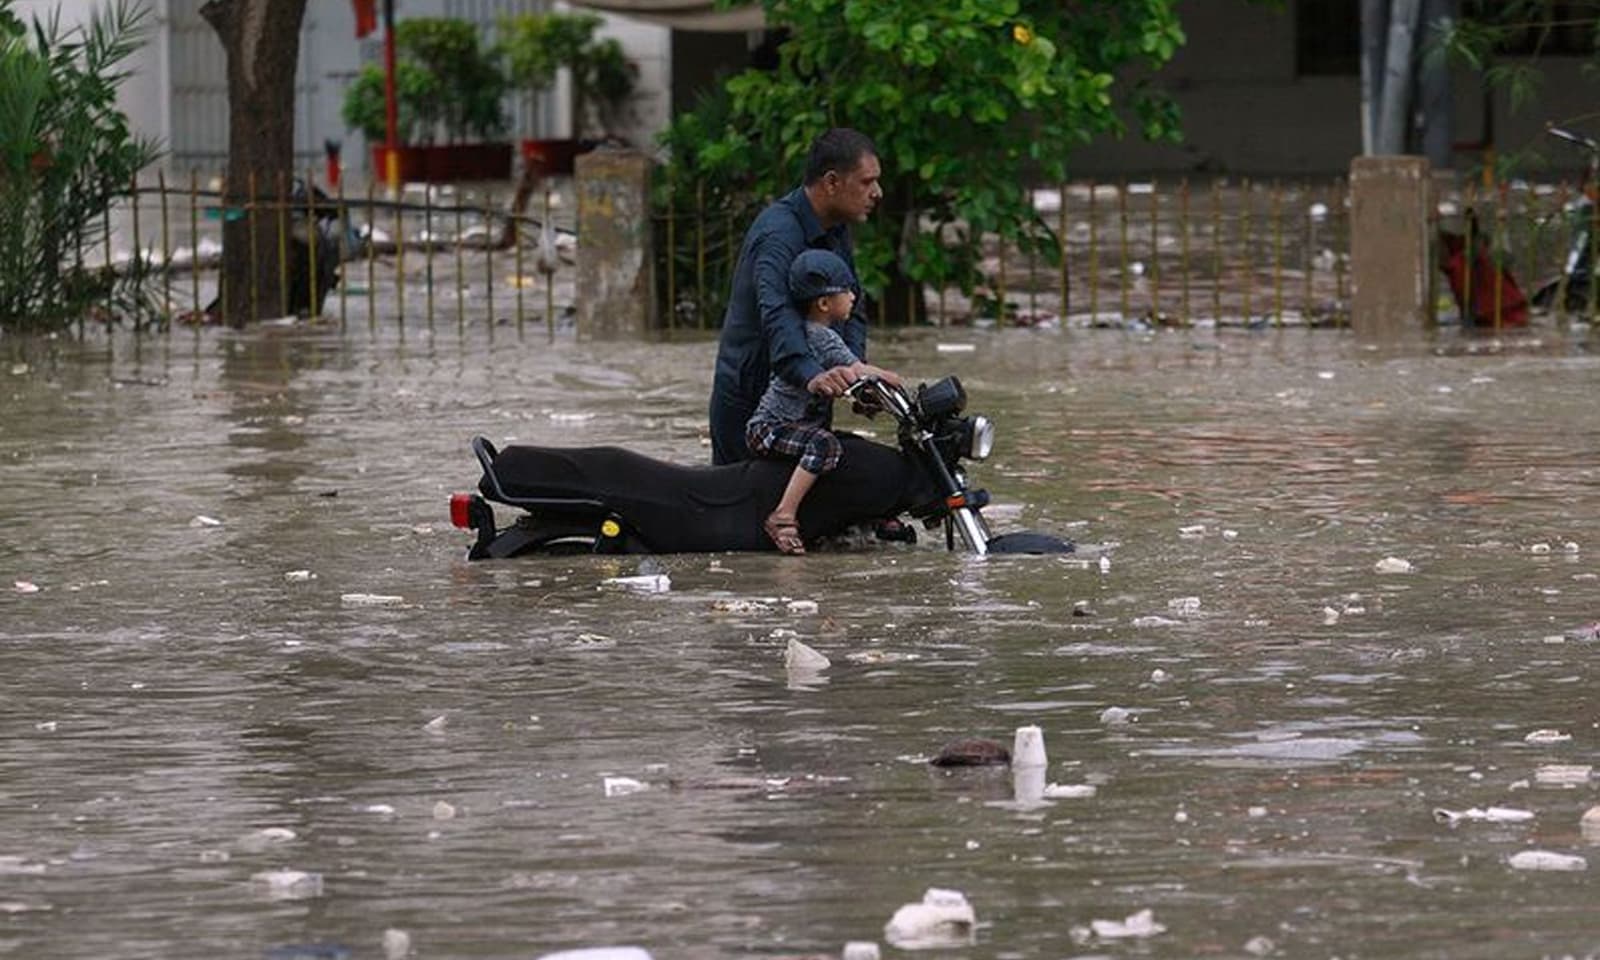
[818, 273]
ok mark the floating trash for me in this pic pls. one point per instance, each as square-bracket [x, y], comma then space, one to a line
[1489, 815]
[943, 919]
[25, 586]
[1393, 565]
[299, 576]
[802, 606]
[1547, 736]
[860, 950]
[1547, 860]
[799, 658]
[437, 724]
[1027, 747]
[1589, 824]
[288, 884]
[444, 810]
[622, 786]
[955, 348]
[648, 583]
[396, 944]
[1563, 774]
[599, 953]
[1259, 946]
[1136, 926]
[1330, 616]
[257, 840]
[1115, 716]
[371, 600]
[1192, 532]
[1153, 621]
[737, 605]
[205, 521]
[972, 752]
[1159, 675]
[1184, 605]
[1069, 791]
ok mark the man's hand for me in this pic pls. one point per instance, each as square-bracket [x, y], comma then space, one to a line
[832, 382]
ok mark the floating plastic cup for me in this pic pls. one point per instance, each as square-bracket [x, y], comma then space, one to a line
[1027, 750]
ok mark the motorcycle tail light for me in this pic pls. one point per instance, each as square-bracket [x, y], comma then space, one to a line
[461, 510]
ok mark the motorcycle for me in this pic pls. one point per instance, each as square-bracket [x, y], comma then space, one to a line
[1571, 289]
[608, 500]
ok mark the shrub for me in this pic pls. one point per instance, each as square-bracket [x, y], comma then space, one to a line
[66, 154]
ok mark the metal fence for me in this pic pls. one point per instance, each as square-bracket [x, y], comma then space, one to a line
[1181, 254]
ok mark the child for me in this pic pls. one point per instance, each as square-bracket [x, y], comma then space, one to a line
[789, 421]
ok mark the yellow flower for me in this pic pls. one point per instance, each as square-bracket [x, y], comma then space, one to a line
[1022, 34]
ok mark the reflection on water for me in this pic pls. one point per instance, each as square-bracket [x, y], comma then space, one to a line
[1289, 717]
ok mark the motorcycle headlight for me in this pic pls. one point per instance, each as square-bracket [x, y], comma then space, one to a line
[979, 440]
[942, 398]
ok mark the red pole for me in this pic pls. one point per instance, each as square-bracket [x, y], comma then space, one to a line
[391, 109]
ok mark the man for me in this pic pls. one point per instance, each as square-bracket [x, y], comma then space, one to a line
[762, 332]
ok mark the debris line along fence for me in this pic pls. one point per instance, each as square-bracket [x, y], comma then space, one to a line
[1179, 254]
[431, 254]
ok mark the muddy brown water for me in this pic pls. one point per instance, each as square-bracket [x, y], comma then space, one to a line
[167, 691]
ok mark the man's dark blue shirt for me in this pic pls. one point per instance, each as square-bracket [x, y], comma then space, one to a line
[763, 331]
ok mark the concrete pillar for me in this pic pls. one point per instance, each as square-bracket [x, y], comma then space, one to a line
[616, 288]
[1389, 245]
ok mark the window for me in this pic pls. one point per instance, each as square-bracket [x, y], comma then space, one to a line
[1327, 37]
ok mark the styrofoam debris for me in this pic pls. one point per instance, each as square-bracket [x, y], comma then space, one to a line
[1184, 605]
[1153, 621]
[647, 583]
[1230, 534]
[1393, 565]
[622, 786]
[1115, 716]
[1027, 748]
[860, 950]
[258, 840]
[955, 347]
[1547, 736]
[46, 726]
[25, 586]
[1259, 946]
[299, 576]
[799, 658]
[1135, 926]
[739, 605]
[288, 884]
[1539, 549]
[1256, 813]
[1589, 824]
[396, 944]
[1192, 531]
[1105, 564]
[1490, 815]
[444, 810]
[1570, 546]
[1330, 616]
[204, 521]
[1069, 791]
[371, 599]
[1563, 774]
[1547, 860]
[437, 724]
[944, 918]
[1159, 675]
[381, 809]
[802, 606]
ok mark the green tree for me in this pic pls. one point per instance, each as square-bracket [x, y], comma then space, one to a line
[66, 154]
[967, 100]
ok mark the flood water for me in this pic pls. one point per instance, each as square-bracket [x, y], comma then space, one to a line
[169, 692]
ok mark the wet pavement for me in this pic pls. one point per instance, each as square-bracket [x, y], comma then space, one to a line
[240, 638]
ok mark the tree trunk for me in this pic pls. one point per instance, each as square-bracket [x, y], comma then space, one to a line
[1394, 114]
[1374, 29]
[261, 39]
[1435, 94]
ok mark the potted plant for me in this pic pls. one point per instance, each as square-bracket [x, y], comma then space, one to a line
[537, 46]
[448, 87]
